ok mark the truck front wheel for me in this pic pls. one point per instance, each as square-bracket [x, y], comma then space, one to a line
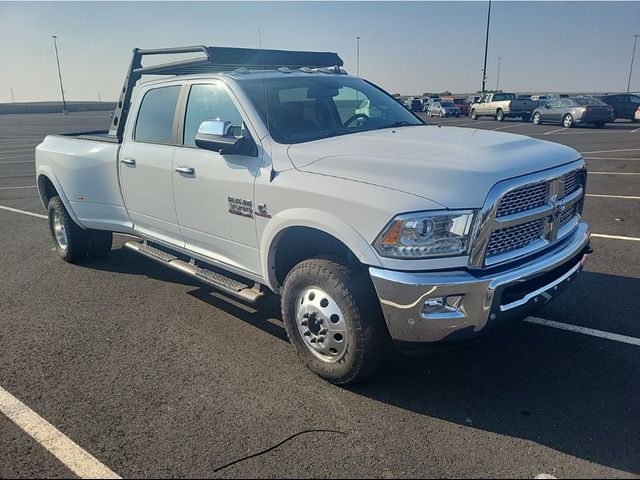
[333, 320]
[100, 242]
[72, 242]
[474, 115]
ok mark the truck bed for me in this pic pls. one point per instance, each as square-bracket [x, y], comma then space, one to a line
[83, 168]
[95, 135]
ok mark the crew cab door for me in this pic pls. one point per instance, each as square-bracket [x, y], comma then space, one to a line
[214, 192]
[146, 164]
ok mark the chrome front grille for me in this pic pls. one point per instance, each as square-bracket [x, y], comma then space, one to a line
[519, 236]
[520, 218]
[523, 199]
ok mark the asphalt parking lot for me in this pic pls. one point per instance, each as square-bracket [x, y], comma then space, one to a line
[157, 376]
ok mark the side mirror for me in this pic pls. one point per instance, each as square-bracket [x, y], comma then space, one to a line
[216, 135]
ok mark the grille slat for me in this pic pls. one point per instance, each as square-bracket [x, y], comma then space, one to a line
[512, 238]
[570, 183]
[523, 199]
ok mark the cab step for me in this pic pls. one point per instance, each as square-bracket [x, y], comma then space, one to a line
[230, 286]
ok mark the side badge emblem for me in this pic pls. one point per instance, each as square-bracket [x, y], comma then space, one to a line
[263, 211]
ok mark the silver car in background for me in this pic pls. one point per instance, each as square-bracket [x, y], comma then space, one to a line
[443, 108]
[574, 111]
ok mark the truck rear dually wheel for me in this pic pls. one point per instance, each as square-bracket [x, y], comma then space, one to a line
[72, 242]
[333, 320]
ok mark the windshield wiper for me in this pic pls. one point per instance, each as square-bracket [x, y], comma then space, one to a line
[402, 123]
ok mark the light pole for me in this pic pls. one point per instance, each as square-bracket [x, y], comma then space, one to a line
[498, 80]
[358, 57]
[64, 103]
[635, 40]
[486, 48]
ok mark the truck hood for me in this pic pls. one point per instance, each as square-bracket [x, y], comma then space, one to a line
[455, 167]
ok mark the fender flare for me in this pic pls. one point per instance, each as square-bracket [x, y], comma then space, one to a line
[45, 172]
[311, 218]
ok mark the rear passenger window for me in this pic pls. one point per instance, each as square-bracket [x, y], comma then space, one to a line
[155, 119]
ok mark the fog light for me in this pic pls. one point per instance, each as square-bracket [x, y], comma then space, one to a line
[438, 306]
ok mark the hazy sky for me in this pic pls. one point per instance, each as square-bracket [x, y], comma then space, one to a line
[405, 47]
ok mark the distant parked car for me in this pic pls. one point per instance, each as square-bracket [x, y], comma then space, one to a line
[471, 99]
[460, 103]
[414, 104]
[574, 111]
[539, 98]
[625, 105]
[443, 108]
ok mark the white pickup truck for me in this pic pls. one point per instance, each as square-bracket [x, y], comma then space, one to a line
[503, 105]
[262, 172]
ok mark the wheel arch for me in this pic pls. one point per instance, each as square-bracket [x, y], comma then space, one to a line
[298, 234]
[48, 186]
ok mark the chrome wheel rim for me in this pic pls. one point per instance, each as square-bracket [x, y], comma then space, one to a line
[567, 121]
[59, 231]
[321, 325]
[536, 119]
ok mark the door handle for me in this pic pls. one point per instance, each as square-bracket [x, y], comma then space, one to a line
[186, 170]
[128, 161]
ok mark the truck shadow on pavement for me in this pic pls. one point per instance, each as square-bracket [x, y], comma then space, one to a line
[570, 392]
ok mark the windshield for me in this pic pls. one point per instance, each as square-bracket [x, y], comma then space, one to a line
[307, 107]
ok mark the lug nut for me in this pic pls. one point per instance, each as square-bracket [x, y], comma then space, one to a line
[320, 321]
[313, 340]
[321, 339]
[307, 333]
[304, 323]
[323, 331]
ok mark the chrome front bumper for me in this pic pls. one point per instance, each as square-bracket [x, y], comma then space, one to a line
[423, 307]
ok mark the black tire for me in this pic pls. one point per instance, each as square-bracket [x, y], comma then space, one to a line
[100, 243]
[537, 119]
[76, 244]
[567, 121]
[351, 289]
[474, 115]
[500, 115]
[598, 124]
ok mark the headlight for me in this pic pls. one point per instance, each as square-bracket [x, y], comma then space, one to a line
[426, 234]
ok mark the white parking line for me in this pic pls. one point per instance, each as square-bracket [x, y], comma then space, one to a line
[475, 123]
[76, 459]
[554, 131]
[636, 130]
[585, 331]
[23, 212]
[613, 173]
[611, 158]
[612, 151]
[510, 126]
[14, 188]
[622, 197]
[616, 237]
[18, 156]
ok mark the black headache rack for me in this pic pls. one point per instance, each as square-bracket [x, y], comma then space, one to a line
[216, 59]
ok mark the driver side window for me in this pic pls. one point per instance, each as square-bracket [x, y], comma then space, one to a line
[208, 102]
